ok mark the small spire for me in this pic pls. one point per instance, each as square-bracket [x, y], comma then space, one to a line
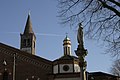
[66, 38]
[66, 34]
[4, 63]
[29, 12]
[28, 26]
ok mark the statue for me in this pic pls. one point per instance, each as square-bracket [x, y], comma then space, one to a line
[80, 35]
[81, 53]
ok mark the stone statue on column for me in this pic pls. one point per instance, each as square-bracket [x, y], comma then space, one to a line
[81, 52]
[80, 34]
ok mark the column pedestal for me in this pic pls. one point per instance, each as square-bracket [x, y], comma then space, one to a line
[81, 53]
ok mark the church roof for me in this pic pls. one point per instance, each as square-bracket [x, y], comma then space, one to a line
[92, 74]
[27, 64]
[68, 57]
[11, 50]
[100, 74]
[28, 26]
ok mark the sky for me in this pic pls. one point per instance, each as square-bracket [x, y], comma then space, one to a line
[49, 32]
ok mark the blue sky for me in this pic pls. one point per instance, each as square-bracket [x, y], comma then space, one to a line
[49, 33]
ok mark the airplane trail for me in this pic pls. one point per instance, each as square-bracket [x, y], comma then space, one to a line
[39, 34]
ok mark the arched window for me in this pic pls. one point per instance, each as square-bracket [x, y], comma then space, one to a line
[24, 42]
[28, 42]
[5, 75]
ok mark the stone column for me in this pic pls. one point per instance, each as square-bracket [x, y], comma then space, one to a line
[82, 63]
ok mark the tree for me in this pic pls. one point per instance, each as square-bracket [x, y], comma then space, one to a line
[101, 19]
[115, 69]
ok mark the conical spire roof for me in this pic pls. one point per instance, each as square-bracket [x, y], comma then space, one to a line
[66, 38]
[28, 26]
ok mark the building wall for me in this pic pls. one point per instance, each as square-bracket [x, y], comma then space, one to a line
[8, 68]
[55, 69]
[27, 66]
[76, 68]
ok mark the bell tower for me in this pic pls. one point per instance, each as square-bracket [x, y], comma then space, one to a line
[28, 38]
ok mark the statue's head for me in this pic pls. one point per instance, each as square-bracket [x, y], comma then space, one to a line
[80, 26]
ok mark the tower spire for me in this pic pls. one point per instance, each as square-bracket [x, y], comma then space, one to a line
[29, 12]
[28, 26]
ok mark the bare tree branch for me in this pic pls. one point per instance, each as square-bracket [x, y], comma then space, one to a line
[115, 2]
[100, 17]
[109, 7]
[115, 69]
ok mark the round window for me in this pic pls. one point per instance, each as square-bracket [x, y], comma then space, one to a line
[65, 67]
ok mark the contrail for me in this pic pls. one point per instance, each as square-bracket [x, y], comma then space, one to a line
[44, 34]
[39, 34]
[9, 33]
